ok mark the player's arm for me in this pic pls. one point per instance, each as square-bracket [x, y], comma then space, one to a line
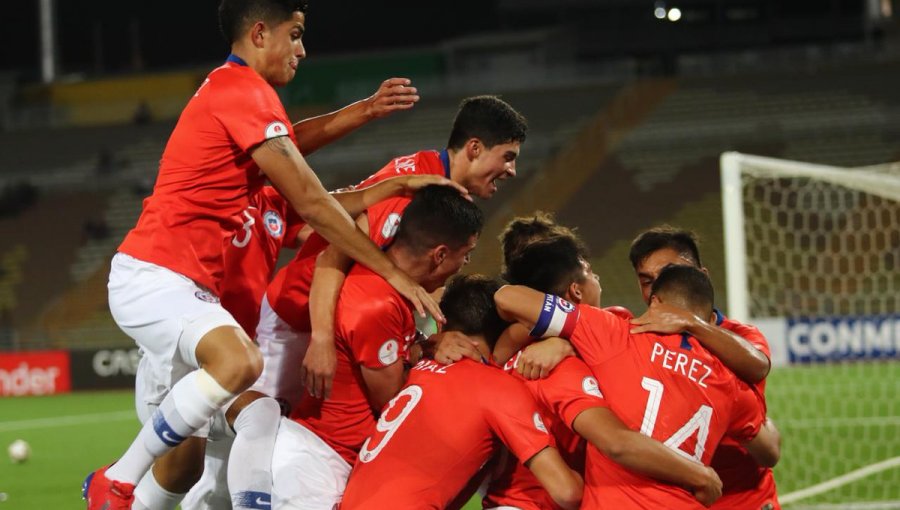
[394, 94]
[765, 448]
[644, 455]
[356, 201]
[280, 160]
[517, 303]
[563, 484]
[383, 384]
[740, 356]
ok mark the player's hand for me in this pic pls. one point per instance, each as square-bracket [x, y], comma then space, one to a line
[394, 94]
[452, 346]
[664, 319]
[540, 358]
[412, 183]
[319, 365]
[709, 492]
[416, 295]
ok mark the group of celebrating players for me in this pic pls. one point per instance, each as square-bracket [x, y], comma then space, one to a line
[358, 390]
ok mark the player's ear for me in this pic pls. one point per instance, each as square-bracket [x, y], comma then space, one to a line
[257, 34]
[473, 148]
[439, 254]
[705, 271]
[574, 293]
[654, 299]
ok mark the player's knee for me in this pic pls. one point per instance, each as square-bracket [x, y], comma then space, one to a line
[239, 370]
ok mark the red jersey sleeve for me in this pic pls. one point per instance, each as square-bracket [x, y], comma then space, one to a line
[376, 330]
[250, 114]
[570, 389]
[750, 334]
[515, 418]
[598, 335]
[748, 414]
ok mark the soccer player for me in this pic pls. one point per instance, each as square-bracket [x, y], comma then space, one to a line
[374, 326]
[741, 347]
[571, 400]
[441, 428]
[667, 386]
[165, 280]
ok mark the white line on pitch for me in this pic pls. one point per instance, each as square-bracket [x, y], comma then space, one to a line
[866, 505]
[839, 481]
[63, 421]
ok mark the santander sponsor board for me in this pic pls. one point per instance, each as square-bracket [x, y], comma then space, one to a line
[34, 373]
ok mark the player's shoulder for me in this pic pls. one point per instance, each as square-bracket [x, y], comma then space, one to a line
[365, 289]
[748, 332]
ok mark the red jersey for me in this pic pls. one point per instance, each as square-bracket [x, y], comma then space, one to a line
[373, 327]
[269, 224]
[206, 175]
[288, 293]
[745, 484]
[569, 389]
[668, 387]
[436, 434]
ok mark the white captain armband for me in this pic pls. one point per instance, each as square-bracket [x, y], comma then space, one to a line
[558, 318]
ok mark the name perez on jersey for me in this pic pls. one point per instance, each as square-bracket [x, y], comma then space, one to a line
[680, 363]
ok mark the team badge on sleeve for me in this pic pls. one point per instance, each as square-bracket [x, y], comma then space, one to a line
[274, 224]
[391, 224]
[590, 386]
[558, 318]
[389, 352]
[276, 129]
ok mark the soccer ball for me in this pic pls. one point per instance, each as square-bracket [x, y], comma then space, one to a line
[19, 451]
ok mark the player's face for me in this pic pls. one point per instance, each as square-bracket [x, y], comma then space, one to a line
[590, 286]
[453, 261]
[284, 50]
[491, 166]
[648, 269]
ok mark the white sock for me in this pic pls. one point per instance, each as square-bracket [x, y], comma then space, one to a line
[250, 462]
[186, 409]
[149, 495]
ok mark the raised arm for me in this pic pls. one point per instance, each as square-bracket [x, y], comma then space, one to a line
[280, 160]
[517, 303]
[740, 356]
[356, 201]
[393, 95]
[644, 455]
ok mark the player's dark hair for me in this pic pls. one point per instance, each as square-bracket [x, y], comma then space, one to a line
[549, 265]
[688, 284]
[665, 236]
[438, 215]
[489, 119]
[524, 230]
[236, 15]
[468, 305]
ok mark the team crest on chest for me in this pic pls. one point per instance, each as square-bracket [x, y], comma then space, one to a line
[391, 224]
[274, 224]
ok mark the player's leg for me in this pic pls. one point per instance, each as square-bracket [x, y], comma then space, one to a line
[173, 474]
[176, 323]
[307, 473]
[255, 419]
[211, 492]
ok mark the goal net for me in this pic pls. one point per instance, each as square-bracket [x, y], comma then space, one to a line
[813, 259]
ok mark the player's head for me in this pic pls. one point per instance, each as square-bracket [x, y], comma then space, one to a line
[556, 265]
[267, 33]
[524, 230]
[659, 247]
[468, 305]
[439, 229]
[487, 135]
[685, 287]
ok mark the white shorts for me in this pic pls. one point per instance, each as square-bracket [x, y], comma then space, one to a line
[211, 492]
[283, 349]
[166, 314]
[307, 473]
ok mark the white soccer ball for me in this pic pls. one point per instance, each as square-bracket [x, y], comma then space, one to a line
[19, 451]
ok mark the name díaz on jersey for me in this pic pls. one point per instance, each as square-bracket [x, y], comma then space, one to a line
[680, 363]
[427, 365]
[837, 338]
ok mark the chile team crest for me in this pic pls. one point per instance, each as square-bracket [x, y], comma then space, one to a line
[274, 224]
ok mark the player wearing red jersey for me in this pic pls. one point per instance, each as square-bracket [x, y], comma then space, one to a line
[741, 347]
[441, 428]
[571, 399]
[628, 367]
[374, 326]
[165, 281]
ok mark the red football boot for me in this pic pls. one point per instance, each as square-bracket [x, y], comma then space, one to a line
[102, 493]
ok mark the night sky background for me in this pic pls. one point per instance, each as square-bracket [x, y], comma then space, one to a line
[96, 36]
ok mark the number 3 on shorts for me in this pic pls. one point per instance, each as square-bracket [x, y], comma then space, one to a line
[393, 416]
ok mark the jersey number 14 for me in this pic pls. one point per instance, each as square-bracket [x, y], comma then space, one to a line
[698, 423]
